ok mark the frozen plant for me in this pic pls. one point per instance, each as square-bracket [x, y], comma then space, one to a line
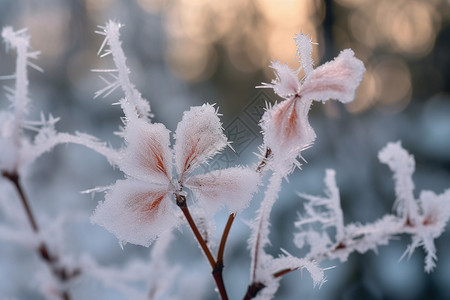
[22, 141]
[17, 151]
[287, 133]
[162, 188]
[141, 207]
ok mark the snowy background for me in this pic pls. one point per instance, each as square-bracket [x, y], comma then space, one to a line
[184, 53]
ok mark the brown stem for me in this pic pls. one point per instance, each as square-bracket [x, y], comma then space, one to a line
[264, 161]
[283, 272]
[253, 290]
[216, 267]
[223, 241]
[181, 202]
[218, 278]
[14, 178]
[60, 272]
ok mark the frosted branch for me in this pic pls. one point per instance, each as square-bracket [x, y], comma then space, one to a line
[133, 105]
[20, 41]
[430, 218]
[46, 144]
[402, 165]
[260, 230]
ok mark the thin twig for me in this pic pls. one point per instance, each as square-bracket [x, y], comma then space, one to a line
[218, 278]
[253, 290]
[216, 267]
[283, 272]
[181, 202]
[14, 178]
[264, 161]
[223, 241]
[60, 272]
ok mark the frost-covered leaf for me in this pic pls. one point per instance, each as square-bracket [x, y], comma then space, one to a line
[199, 136]
[337, 79]
[286, 84]
[233, 187]
[135, 211]
[286, 128]
[147, 156]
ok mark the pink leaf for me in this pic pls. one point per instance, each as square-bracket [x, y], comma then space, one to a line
[337, 79]
[199, 137]
[286, 84]
[147, 156]
[135, 212]
[286, 128]
[233, 187]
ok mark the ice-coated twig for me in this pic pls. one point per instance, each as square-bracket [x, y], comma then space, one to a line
[133, 105]
[332, 215]
[19, 40]
[12, 122]
[304, 50]
[287, 133]
[46, 144]
[402, 165]
[433, 213]
[260, 230]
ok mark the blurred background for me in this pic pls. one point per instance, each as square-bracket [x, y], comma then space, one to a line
[188, 52]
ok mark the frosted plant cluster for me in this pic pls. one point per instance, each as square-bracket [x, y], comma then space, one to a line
[162, 190]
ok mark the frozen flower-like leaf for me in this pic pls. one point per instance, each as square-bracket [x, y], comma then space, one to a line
[135, 208]
[199, 136]
[233, 187]
[286, 127]
[147, 156]
[135, 212]
[337, 79]
[286, 83]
